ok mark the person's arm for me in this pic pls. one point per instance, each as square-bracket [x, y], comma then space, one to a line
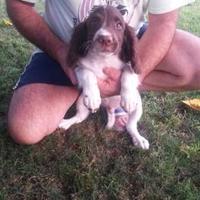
[33, 27]
[151, 49]
[156, 41]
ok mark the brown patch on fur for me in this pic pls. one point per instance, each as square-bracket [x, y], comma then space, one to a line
[82, 37]
[128, 52]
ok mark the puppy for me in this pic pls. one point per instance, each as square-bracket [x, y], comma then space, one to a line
[103, 40]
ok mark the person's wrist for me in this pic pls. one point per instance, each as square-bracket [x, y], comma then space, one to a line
[61, 54]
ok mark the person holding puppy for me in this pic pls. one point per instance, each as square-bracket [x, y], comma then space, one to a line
[168, 59]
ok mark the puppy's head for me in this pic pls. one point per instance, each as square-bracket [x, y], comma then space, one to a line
[107, 38]
[103, 32]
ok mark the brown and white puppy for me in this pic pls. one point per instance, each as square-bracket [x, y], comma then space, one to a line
[103, 40]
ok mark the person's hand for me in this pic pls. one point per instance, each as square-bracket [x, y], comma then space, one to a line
[111, 85]
[71, 74]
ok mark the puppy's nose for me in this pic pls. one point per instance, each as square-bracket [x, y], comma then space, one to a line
[105, 40]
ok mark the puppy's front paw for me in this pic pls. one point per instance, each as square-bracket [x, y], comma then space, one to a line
[129, 101]
[141, 142]
[64, 124]
[129, 91]
[92, 100]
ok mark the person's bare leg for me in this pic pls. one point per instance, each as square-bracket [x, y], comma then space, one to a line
[37, 109]
[180, 69]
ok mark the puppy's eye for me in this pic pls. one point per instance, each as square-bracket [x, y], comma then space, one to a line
[118, 26]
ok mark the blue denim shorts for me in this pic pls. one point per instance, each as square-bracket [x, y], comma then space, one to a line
[41, 68]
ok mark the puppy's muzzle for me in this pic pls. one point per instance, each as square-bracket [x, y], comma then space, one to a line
[105, 40]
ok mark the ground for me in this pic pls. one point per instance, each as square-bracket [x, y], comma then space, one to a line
[88, 162]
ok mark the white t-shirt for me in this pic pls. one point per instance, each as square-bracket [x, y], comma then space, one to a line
[63, 15]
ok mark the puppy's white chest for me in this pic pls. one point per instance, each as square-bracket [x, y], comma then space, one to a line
[96, 64]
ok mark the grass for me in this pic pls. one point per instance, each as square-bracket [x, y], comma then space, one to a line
[89, 162]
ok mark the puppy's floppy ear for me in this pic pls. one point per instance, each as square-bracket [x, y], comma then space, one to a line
[128, 52]
[77, 46]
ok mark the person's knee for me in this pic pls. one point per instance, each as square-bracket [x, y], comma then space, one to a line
[23, 134]
[36, 110]
[186, 78]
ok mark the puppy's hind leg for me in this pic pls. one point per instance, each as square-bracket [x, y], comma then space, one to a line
[111, 103]
[111, 118]
[131, 127]
[82, 113]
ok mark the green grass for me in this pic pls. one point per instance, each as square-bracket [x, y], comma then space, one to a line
[93, 163]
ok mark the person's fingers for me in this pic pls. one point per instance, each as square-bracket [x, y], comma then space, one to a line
[112, 73]
[72, 76]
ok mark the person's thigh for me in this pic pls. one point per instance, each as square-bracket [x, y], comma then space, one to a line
[36, 110]
[180, 68]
